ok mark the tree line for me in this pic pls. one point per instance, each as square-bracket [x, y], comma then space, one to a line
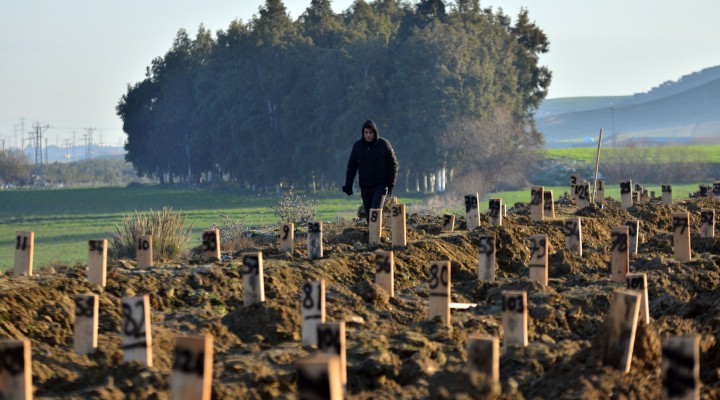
[275, 101]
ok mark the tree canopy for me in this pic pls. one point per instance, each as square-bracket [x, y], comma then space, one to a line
[274, 100]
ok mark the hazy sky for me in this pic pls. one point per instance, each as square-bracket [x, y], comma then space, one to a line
[67, 63]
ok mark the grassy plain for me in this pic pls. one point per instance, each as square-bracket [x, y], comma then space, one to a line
[698, 153]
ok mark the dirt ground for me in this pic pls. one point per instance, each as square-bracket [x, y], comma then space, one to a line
[393, 351]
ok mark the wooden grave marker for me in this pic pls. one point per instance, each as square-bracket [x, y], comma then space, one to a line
[385, 271]
[472, 211]
[313, 310]
[211, 245]
[192, 368]
[620, 261]
[144, 253]
[439, 304]
[85, 328]
[574, 181]
[315, 239]
[667, 194]
[633, 235]
[600, 191]
[681, 236]
[253, 278]
[583, 194]
[15, 370]
[548, 204]
[621, 326]
[716, 190]
[136, 330]
[398, 227]
[318, 377]
[448, 223]
[515, 318]
[707, 223]
[486, 258]
[573, 235]
[97, 262]
[504, 210]
[704, 190]
[539, 259]
[483, 352]
[645, 196]
[24, 248]
[287, 237]
[681, 367]
[536, 203]
[331, 340]
[495, 214]
[638, 282]
[626, 193]
[639, 191]
[375, 225]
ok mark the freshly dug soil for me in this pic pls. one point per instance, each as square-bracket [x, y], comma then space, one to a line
[393, 351]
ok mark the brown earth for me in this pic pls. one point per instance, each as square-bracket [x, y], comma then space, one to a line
[393, 351]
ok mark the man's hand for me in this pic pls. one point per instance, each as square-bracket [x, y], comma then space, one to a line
[347, 189]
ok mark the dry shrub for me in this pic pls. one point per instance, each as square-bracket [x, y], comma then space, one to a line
[167, 228]
[294, 208]
[234, 234]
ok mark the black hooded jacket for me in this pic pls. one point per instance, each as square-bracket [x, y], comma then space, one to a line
[376, 161]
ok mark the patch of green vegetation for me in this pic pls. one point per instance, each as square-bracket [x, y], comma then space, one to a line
[698, 153]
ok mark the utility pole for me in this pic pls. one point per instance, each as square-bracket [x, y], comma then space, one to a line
[101, 145]
[88, 142]
[38, 134]
[67, 150]
[47, 159]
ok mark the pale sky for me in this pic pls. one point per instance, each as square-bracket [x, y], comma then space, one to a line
[67, 63]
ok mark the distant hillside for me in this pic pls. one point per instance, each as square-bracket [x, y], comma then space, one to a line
[686, 111]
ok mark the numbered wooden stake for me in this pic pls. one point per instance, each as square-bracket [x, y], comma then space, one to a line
[495, 214]
[24, 247]
[97, 262]
[385, 271]
[681, 367]
[716, 190]
[536, 203]
[583, 194]
[136, 333]
[472, 211]
[486, 258]
[539, 259]
[548, 204]
[681, 236]
[287, 237]
[211, 244]
[704, 190]
[484, 356]
[515, 318]
[626, 193]
[633, 235]
[313, 310]
[375, 225]
[397, 220]
[440, 291]
[600, 191]
[16, 370]
[667, 194]
[331, 340]
[638, 282]
[620, 261]
[620, 329]
[253, 281]
[144, 251]
[573, 235]
[504, 210]
[574, 181]
[85, 328]
[315, 238]
[192, 368]
[707, 223]
[448, 222]
[318, 377]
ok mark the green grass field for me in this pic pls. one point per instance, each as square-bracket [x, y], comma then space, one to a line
[64, 220]
[699, 154]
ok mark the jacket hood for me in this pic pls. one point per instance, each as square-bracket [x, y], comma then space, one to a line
[371, 125]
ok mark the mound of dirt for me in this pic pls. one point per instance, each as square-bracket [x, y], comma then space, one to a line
[393, 350]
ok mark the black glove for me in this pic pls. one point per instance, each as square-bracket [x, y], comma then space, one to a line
[347, 189]
[389, 191]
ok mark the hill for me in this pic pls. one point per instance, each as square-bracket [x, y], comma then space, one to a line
[681, 112]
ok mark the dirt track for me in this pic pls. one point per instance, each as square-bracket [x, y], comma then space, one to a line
[393, 351]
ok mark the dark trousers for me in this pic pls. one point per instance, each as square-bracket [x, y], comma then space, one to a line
[372, 198]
